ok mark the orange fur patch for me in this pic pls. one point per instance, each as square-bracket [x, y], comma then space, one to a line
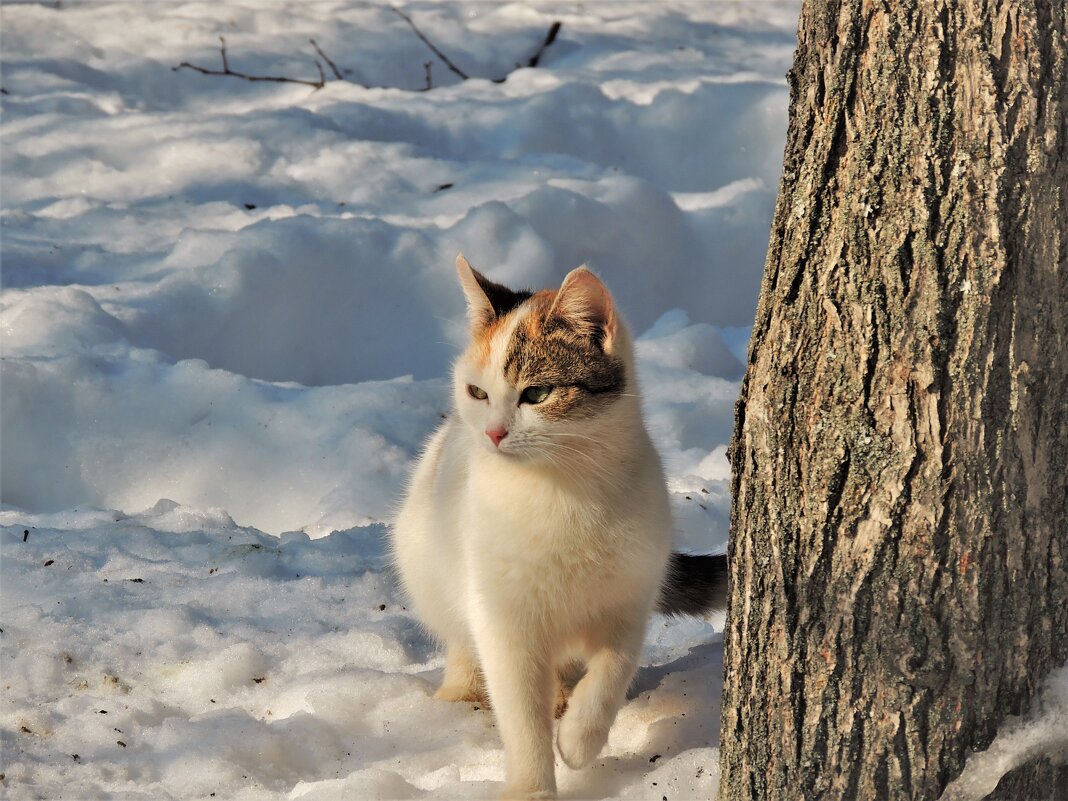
[482, 339]
[540, 304]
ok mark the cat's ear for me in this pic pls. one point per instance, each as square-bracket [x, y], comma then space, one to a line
[486, 300]
[479, 309]
[586, 304]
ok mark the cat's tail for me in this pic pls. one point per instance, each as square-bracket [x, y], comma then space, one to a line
[695, 584]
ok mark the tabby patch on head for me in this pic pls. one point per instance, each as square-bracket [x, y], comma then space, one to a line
[549, 349]
[554, 347]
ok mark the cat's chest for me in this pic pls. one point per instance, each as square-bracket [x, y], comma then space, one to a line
[545, 551]
[536, 511]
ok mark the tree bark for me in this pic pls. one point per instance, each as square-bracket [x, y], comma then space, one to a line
[898, 570]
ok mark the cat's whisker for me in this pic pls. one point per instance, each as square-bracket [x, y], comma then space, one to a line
[567, 468]
[593, 463]
[574, 435]
[546, 448]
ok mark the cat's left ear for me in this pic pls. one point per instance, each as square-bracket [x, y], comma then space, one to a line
[584, 301]
[479, 309]
[486, 300]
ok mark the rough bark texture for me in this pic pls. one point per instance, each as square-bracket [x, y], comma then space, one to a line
[898, 569]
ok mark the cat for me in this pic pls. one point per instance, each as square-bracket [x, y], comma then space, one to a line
[536, 530]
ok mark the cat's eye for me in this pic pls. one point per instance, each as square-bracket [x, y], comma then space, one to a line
[535, 394]
[476, 392]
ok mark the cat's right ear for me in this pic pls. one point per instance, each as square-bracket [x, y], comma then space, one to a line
[479, 308]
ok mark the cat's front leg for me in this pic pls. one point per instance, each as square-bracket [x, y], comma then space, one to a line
[519, 679]
[599, 694]
[463, 677]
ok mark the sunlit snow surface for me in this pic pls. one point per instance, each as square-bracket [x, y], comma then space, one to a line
[227, 317]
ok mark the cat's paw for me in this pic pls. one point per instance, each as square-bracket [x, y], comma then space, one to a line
[579, 740]
[510, 794]
[458, 692]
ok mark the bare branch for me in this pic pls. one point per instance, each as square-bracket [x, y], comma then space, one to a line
[433, 48]
[246, 77]
[328, 60]
[550, 37]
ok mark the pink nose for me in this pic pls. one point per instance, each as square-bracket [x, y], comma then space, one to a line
[497, 434]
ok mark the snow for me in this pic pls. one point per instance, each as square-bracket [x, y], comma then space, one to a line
[227, 316]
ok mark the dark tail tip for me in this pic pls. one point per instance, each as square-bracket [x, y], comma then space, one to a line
[695, 584]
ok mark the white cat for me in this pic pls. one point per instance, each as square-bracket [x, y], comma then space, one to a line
[537, 530]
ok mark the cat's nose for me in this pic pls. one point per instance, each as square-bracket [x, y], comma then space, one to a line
[497, 434]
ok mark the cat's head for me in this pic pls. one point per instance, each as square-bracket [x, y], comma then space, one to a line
[547, 375]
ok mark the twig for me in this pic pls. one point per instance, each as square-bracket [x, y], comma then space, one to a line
[550, 37]
[327, 59]
[245, 76]
[430, 44]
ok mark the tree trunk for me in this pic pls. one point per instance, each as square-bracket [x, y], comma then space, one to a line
[899, 564]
